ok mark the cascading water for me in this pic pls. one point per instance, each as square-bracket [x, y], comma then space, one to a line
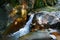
[58, 1]
[23, 30]
[48, 17]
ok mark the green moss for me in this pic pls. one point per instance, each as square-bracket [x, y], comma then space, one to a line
[41, 3]
[38, 4]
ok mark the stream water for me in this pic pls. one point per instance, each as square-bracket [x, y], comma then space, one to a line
[23, 30]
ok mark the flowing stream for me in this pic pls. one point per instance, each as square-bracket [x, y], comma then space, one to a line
[23, 30]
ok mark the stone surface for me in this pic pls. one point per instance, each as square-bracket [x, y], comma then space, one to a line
[39, 35]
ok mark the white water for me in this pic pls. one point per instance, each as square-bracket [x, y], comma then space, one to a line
[48, 17]
[23, 30]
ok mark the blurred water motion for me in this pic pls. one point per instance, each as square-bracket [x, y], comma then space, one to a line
[23, 30]
[41, 18]
[45, 17]
[18, 17]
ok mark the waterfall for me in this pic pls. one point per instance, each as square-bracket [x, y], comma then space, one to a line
[58, 1]
[48, 17]
[23, 30]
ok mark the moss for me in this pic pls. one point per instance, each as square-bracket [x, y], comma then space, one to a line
[44, 3]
